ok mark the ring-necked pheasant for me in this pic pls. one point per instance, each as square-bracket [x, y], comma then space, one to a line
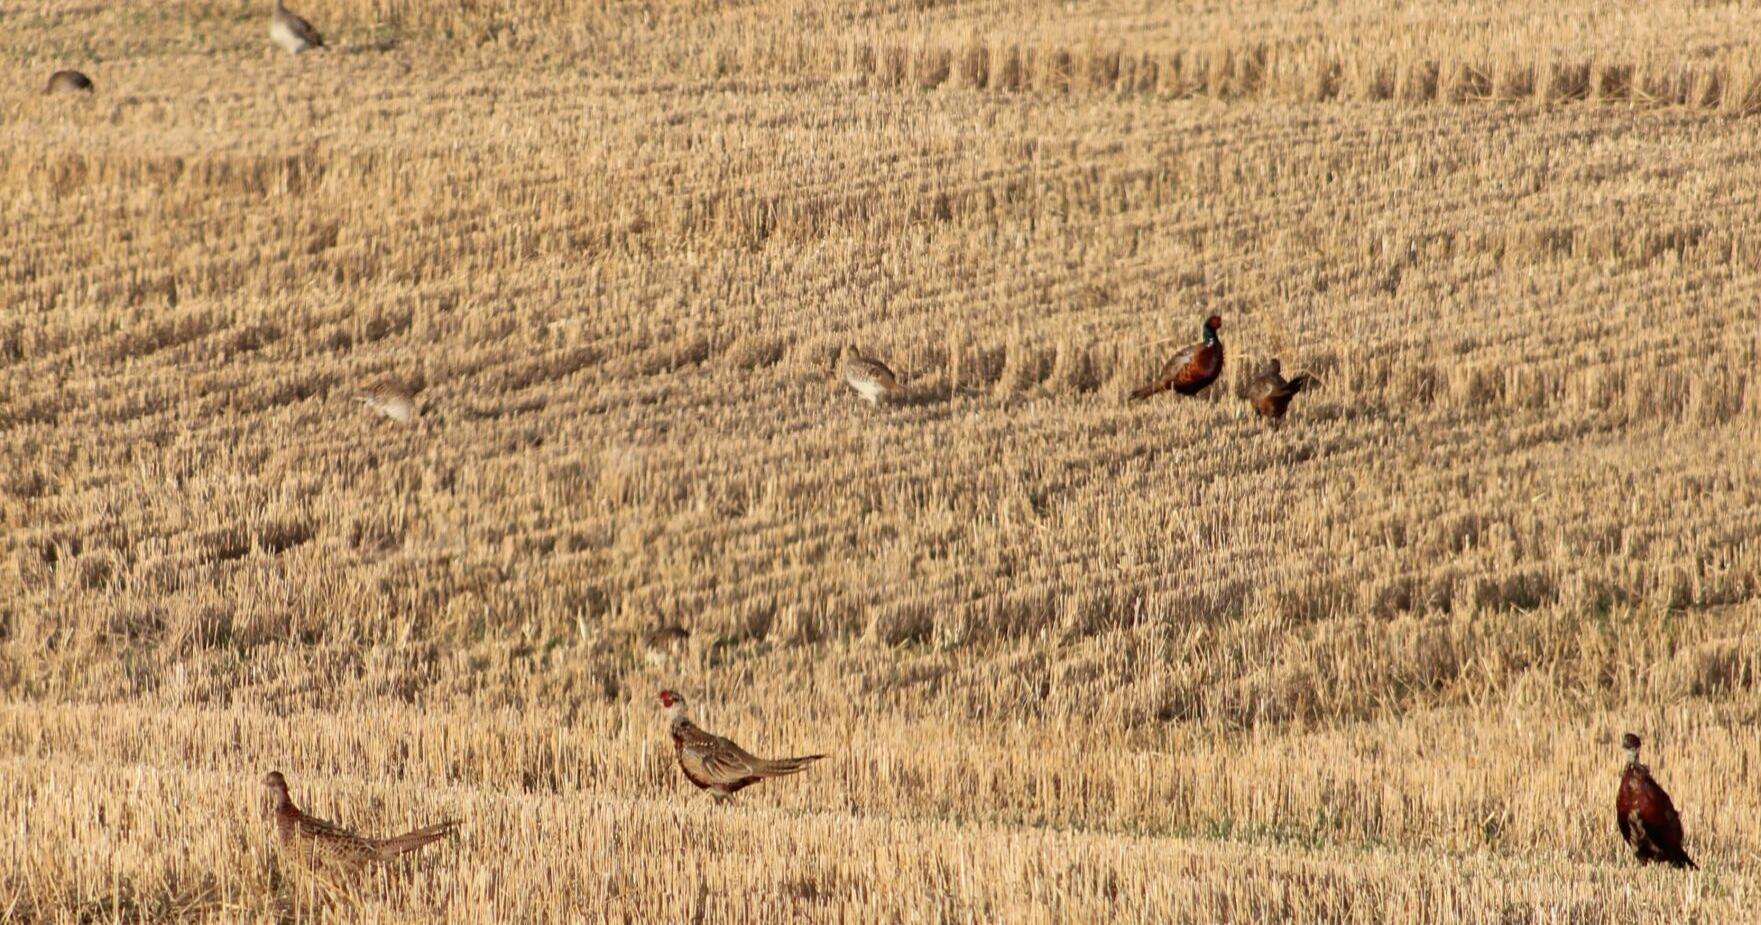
[871, 378]
[1648, 820]
[314, 842]
[1270, 393]
[716, 764]
[1191, 369]
[291, 32]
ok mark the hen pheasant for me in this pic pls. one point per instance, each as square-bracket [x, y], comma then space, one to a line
[1270, 393]
[1191, 369]
[1647, 819]
[317, 843]
[291, 32]
[665, 643]
[394, 401]
[714, 763]
[871, 378]
[68, 82]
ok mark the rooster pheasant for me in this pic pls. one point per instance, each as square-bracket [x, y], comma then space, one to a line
[717, 765]
[317, 843]
[292, 33]
[1270, 393]
[1191, 369]
[1647, 819]
[871, 378]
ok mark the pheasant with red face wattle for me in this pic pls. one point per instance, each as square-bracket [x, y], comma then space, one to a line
[716, 764]
[1191, 369]
[1646, 816]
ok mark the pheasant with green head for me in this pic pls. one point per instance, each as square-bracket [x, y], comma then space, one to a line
[1192, 369]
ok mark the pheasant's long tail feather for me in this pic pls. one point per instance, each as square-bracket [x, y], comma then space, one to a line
[409, 841]
[781, 766]
[1301, 382]
[1146, 391]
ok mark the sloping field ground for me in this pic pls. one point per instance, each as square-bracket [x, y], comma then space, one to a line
[1072, 657]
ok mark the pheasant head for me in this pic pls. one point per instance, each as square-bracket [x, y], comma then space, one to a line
[274, 792]
[674, 704]
[1629, 743]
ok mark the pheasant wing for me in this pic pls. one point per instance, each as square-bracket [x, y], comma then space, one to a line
[311, 826]
[1180, 361]
[1170, 372]
[304, 30]
[1652, 840]
[1626, 829]
[881, 372]
[1663, 826]
[714, 761]
[1638, 834]
[1652, 826]
[1266, 385]
[327, 841]
[863, 369]
[729, 762]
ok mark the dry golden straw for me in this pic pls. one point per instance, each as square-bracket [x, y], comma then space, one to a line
[1071, 658]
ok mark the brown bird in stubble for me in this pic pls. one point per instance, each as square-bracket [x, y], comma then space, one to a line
[1191, 369]
[665, 643]
[395, 400]
[1270, 393]
[317, 843]
[292, 32]
[68, 82]
[868, 376]
[716, 764]
[1647, 819]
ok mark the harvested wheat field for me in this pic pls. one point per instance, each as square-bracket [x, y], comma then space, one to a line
[365, 413]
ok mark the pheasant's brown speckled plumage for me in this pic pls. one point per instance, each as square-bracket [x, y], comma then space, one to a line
[716, 764]
[871, 378]
[665, 644]
[1270, 393]
[317, 843]
[394, 400]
